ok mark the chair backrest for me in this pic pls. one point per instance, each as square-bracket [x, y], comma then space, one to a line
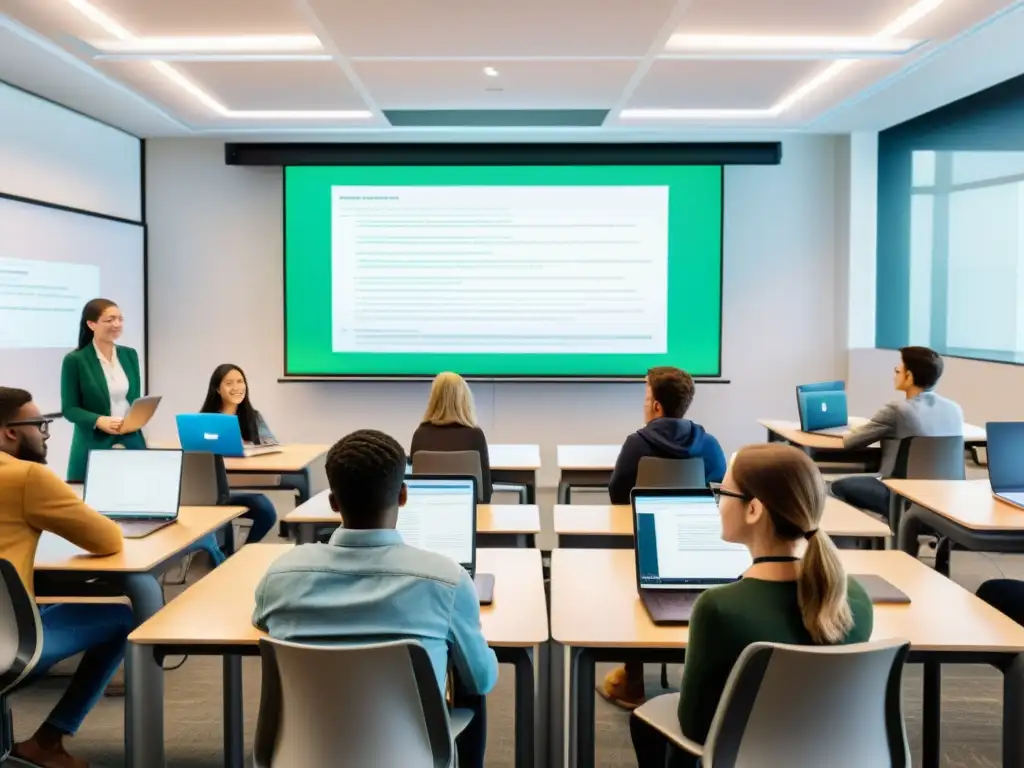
[20, 630]
[204, 480]
[450, 463]
[930, 458]
[670, 473]
[812, 706]
[350, 706]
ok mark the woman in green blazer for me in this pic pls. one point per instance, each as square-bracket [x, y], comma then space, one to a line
[98, 383]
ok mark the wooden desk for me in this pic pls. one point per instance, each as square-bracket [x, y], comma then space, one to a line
[497, 525]
[516, 465]
[596, 614]
[609, 526]
[62, 571]
[584, 466]
[214, 617]
[288, 469]
[963, 512]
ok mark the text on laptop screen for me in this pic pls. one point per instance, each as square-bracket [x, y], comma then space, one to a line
[679, 543]
[134, 483]
[1006, 456]
[438, 516]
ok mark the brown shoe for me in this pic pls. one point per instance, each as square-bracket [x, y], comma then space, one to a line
[53, 756]
[624, 687]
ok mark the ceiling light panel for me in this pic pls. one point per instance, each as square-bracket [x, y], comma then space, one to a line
[492, 28]
[790, 17]
[176, 18]
[785, 46]
[211, 44]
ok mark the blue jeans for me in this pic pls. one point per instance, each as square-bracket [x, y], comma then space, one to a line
[101, 632]
[261, 512]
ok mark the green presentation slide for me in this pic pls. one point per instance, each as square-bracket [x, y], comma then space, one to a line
[596, 271]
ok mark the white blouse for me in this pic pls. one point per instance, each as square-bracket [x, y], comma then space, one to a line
[117, 383]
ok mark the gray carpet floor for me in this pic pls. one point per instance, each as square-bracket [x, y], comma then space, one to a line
[971, 713]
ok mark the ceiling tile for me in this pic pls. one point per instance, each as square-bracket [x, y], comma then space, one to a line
[706, 84]
[274, 84]
[493, 28]
[791, 17]
[519, 85]
[206, 17]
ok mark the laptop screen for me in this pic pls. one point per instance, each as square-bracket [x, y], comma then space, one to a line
[134, 483]
[679, 543]
[1005, 455]
[440, 516]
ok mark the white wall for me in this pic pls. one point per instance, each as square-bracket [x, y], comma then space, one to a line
[215, 295]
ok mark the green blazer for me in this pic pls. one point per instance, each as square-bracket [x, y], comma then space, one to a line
[84, 398]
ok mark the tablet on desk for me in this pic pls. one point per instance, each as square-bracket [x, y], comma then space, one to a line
[880, 590]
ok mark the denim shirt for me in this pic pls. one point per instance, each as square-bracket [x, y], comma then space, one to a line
[369, 586]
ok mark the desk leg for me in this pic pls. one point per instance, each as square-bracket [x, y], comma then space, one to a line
[525, 693]
[1013, 712]
[581, 686]
[305, 533]
[234, 746]
[943, 554]
[931, 733]
[144, 708]
[531, 489]
[564, 492]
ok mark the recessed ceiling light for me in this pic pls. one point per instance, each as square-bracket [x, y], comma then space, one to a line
[490, 71]
[270, 44]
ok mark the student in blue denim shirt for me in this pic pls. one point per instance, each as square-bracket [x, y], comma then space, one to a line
[366, 585]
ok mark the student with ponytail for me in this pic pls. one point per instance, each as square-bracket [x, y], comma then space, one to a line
[796, 591]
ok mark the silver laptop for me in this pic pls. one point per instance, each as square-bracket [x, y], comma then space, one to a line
[679, 551]
[1005, 441]
[440, 516]
[138, 490]
[140, 414]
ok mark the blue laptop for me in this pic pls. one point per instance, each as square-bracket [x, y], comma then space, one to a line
[217, 433]
[823, 412]
[1006, 460]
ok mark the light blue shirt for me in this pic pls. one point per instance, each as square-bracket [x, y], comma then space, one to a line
[369, 586]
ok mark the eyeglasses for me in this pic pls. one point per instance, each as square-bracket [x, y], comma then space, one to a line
[42, 423]
[719, 492]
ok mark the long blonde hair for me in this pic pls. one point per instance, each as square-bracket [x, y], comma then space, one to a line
[450, 402]
[791, 488]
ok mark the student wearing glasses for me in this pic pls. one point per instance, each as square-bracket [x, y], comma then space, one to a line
[98, 383]
[32, 500]
[796, 591]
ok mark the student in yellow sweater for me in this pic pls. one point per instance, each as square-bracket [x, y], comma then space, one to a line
[32, 500]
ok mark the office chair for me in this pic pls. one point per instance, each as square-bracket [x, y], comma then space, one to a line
[353, 706]
[450, 463]
[923, 458]
[21, 641]
[802, 707]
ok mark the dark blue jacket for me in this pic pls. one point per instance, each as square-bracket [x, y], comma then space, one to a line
[665, 438]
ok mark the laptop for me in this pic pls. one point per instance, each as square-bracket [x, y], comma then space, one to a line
[138, 490]
[440, 516]
[823, 412]
[679, 550]
[1006, 460]
[217, 433]
[140, 413]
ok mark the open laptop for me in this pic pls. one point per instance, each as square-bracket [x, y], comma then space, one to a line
[140, 413]
[138, 490]
[1006, 460]
[440, 516]
[679, 550]
[823, 411]
[217, 433]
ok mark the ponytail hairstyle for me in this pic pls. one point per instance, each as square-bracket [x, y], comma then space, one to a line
[792, 491]
[91, 313]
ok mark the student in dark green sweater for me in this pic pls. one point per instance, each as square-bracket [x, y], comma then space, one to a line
[796, 591]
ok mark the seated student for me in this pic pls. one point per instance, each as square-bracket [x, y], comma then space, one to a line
[667, 435]
[33, 499]
[367, 585]
[1006, 596]
[921, 413]
[796, 591]
[450, 425]
[228, 392]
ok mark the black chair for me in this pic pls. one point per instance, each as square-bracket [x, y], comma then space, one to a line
[21, 641]
[923, 458]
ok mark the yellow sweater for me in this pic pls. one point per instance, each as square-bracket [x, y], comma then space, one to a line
[32, 500]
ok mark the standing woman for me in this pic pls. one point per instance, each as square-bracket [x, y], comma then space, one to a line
[98, 383]
[228, 393]
[449, 424]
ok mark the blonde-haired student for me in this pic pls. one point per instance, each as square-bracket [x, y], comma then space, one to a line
[796, 591]
[449, 424]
